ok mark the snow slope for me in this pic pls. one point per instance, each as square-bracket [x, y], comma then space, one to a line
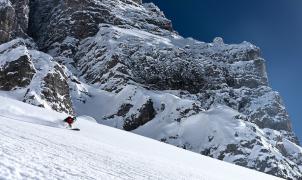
[34, 145]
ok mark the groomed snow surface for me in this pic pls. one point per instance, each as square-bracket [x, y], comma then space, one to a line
[35, 145]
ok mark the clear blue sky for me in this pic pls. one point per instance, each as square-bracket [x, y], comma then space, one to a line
[273, 25]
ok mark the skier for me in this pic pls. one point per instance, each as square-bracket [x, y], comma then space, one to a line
[70, 120]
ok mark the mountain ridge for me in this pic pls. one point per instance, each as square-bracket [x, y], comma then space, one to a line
[121, 62]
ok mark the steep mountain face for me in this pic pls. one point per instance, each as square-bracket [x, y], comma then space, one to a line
[13, 19]
[121, 62]
[33, 76]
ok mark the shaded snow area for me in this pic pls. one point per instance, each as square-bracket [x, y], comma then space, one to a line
[34, 144]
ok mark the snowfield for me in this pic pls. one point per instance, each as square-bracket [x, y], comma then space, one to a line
[35, 145]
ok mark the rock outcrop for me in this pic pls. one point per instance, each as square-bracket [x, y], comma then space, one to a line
[7, 21]
[18, 73]
[56, 90]
[32, 73]
[145, 114]
[14, 17]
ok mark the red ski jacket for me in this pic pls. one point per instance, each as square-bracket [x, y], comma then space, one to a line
[69, 120]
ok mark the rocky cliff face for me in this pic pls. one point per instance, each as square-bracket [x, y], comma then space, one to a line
[34, 76]
[13, 19]
[121, 62]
